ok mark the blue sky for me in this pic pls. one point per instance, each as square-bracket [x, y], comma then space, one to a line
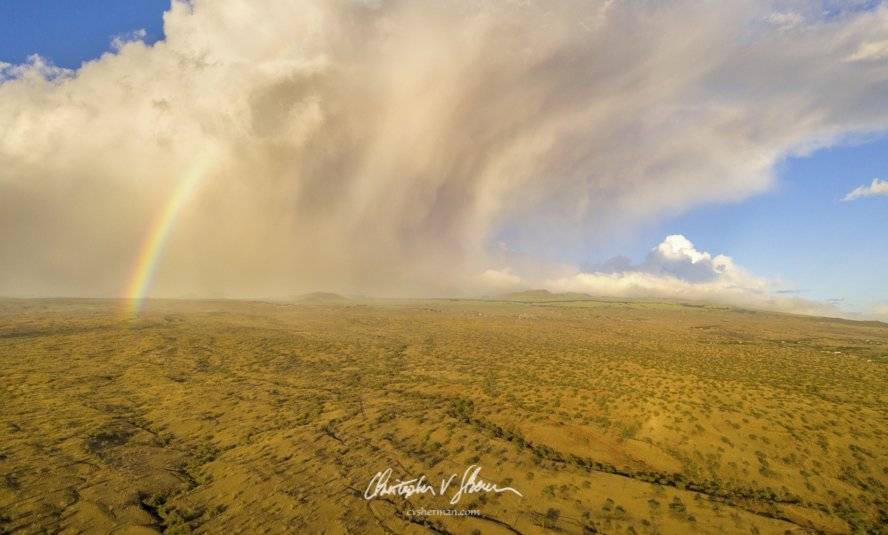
[799, 232]
[802, 233]
[70, 32]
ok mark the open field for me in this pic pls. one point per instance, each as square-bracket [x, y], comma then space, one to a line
[610, 417]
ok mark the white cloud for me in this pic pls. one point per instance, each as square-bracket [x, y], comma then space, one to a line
[870, 51]
[37, 70]
[676, 269]
[378, 147]
[678, 257]
[877, 188]
[677, 247]
[119, 41]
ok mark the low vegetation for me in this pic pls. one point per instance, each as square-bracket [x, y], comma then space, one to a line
[609, 417]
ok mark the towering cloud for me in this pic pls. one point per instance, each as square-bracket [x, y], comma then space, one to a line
[379, 146]
[677, 269]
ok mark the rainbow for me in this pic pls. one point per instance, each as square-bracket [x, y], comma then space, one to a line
[155, 240]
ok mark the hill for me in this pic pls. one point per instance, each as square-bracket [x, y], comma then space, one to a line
[543, 295]
[321, 298]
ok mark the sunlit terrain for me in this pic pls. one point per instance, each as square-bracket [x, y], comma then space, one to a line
[610, 417]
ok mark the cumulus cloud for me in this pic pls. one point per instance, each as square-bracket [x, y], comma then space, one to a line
[877, 188]
[380, 146]
[677, 269]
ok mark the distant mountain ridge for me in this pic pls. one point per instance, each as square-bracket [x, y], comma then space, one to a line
[321, 298]
[544, 295]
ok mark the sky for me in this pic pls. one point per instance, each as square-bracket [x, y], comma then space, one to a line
[69, 33]
[227, 149]
[799, 232]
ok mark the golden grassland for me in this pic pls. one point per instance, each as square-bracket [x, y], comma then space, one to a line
[609, 417]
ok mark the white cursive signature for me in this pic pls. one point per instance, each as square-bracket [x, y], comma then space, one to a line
[379, 486]
[470, 483]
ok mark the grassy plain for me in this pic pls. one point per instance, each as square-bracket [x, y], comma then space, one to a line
[609, 417]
